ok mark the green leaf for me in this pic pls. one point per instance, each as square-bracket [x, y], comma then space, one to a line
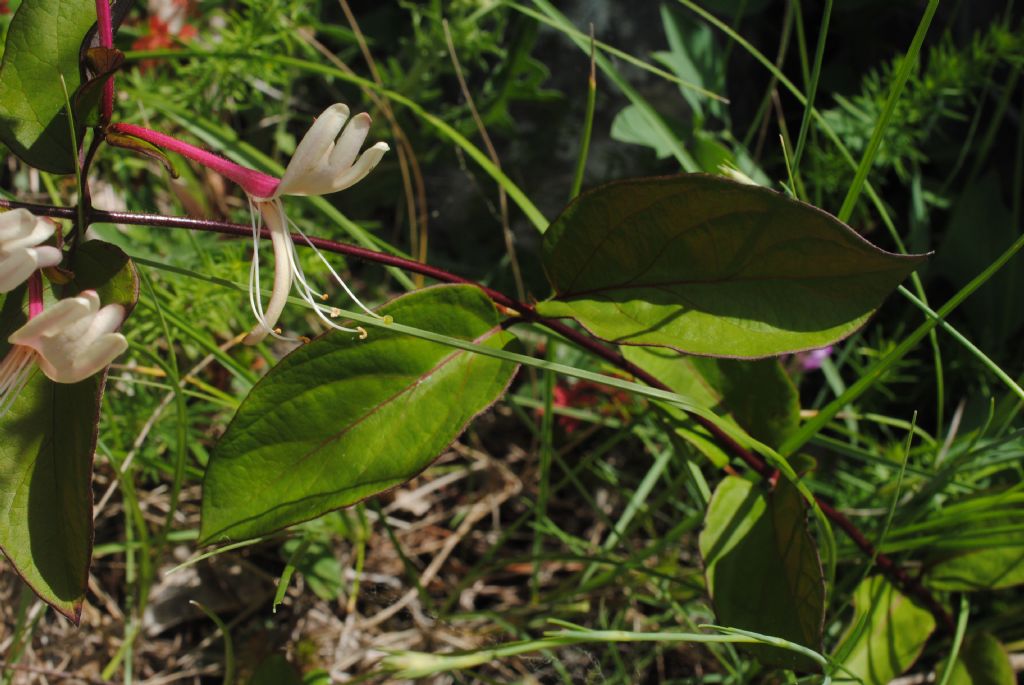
[992, 568]
[43, 43]
[707, 266]
[982, 660]
[632, 126]
[887, 632]
[47, 451]
[756, 395]
[105, 268]
[763, 569]
[341, 419]
[45, 488]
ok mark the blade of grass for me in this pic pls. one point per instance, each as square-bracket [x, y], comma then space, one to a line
[588, 124]
[907, 66]
[576, 35]
[812, 87]
[657, 123]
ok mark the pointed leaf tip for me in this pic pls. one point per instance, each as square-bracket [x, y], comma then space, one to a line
[705, 265]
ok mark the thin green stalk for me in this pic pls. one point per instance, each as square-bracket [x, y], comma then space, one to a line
[994, 123]
[576, 34]
[229, 646]
[588, 125]
[907, 65]
[289, 570]
[80, 226]
[420, 664]
[958, 640]
[636, 501]
[547, 438]
[987, 361]
[812, 87]
[181, 412]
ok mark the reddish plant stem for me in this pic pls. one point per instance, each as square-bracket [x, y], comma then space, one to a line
[527, 312]
[106, 30]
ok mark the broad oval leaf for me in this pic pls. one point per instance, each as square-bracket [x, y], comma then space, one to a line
[886, 634]
[46, 453]
[43, 43]
[763, 569]
[708, 266]
[341, 419]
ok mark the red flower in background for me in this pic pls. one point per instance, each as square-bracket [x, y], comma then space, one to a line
[4, 8]
[587, 395]
[166, 29]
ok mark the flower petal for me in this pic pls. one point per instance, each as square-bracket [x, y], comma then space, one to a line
[20, 229]
[347, 148]
[56, 318]
[97, 355]
[15, 269]
[15, 224]
[363, 166]
[312, 151]
[273, 215]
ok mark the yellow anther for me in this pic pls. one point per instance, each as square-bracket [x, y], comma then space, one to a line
[388, 319]
[324, 296]
[335, 312]
[362, 333]
[304, 339]
[278, 330]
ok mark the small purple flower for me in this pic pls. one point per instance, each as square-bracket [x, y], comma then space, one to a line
[812, 359]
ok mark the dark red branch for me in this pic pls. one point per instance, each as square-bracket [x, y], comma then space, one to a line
[527, 312]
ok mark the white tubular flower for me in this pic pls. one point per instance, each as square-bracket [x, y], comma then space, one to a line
[326, 160]
[21, 250]
[74, 338]
[69, 341]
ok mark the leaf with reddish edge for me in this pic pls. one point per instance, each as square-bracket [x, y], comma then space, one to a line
[708, 266]
[49, 437]
[341, 419]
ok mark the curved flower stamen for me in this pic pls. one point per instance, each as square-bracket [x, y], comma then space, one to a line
[326, 160]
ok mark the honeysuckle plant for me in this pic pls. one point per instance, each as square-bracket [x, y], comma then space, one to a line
[326, 160]
[685, 284]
